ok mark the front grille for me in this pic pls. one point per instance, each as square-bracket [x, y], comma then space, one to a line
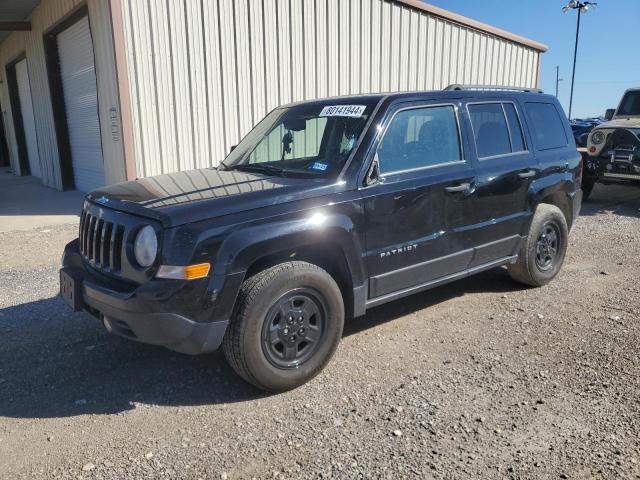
[101, 242]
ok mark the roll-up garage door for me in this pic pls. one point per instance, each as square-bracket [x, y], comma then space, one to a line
[77, 70]
[28, 120]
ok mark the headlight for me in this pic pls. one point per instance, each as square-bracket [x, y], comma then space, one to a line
[597, 138]
[145, 247]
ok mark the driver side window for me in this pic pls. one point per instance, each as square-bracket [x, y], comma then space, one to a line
[420, 137]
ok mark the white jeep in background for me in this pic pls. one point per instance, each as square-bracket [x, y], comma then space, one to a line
[612, 154]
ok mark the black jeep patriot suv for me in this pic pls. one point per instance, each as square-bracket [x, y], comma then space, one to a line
[325, 209]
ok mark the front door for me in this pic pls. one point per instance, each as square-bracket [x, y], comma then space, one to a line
[422, 197]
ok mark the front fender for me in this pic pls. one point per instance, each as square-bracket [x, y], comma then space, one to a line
[334, 233]
[327, 231]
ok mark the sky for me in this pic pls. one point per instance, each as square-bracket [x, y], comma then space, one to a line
[608, 50]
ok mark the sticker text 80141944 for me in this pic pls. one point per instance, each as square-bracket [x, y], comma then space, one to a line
[343, 111]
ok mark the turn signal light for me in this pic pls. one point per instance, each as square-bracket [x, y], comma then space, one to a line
[196, 271]
[190, 272]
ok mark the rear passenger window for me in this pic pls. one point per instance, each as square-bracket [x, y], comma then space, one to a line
[420, 137]
[547, 125]
[496, 129]
[490, 129]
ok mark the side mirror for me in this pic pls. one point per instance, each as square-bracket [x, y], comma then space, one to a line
[609, 113]
[373, 175]
[232, 148]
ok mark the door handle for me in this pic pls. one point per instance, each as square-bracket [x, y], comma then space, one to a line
[527, 174]
[463, 187]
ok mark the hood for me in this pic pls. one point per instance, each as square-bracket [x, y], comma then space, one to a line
[184, 197]
[631, 122]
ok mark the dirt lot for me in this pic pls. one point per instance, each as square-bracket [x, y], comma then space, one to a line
[477, 379]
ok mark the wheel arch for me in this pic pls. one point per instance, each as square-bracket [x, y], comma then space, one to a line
[332, 245]
[561, 200]
[556, 190]
[332, 259]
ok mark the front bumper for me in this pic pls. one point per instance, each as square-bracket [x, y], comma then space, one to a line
[133, 313]
[618, 167]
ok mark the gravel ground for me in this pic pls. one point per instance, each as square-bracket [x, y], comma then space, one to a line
[477, 379]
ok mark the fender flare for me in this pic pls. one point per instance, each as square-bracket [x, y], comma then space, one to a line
[558, 183]
[245, 246]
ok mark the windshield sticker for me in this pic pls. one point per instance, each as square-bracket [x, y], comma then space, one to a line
[319, 166]
[343, 111]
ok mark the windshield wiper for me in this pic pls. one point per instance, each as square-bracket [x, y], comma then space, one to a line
[271, 169]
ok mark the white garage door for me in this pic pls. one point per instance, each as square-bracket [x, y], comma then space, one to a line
[78, 73]
[28, 120]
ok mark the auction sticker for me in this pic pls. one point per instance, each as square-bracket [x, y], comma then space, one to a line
[343, 111]
[319, 166]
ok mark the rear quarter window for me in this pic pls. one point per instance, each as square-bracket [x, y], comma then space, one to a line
[490, 129]
[547, 125]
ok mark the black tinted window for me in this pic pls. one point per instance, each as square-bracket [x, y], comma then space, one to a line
[630, 104]
[515, 129]
[420, 137]
[548, 128]
[490, 129]
[314, 138]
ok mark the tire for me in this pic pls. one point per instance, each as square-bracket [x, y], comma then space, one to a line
[286, 326]
[537, 266]
[587, 188]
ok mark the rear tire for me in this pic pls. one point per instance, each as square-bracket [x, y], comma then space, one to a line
[542, 253]
[287, 324]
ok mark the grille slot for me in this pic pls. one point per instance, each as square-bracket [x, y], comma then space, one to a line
[101, 242]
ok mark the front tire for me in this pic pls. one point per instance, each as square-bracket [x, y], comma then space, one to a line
[287, 325]
[542, 254]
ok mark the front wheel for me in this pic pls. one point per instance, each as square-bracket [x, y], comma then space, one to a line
[542, 254]
[287, 325]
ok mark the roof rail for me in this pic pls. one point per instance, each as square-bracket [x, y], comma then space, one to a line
[456, 86]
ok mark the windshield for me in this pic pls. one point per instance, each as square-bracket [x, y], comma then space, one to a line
[630, 104]
[313, 139]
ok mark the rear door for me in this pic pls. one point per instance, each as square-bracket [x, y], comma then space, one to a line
[505, 168]
[413, 211]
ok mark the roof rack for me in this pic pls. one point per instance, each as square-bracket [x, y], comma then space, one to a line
[456, 86]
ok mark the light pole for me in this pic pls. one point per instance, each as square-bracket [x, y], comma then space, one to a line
[582, 7]
[558, 79]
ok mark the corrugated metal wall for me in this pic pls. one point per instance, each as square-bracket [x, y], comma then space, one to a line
[44, 16]
[203, 72]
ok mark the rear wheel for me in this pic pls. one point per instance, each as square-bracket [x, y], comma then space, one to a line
[286, 327]
[542, 254]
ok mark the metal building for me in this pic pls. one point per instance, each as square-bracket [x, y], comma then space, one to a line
[100, 91]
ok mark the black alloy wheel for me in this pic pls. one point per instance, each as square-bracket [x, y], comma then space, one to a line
[542, 252]
[293, 328]
[547, 246]
[286, 326]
